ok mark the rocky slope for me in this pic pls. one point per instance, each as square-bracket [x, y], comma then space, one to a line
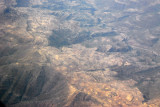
[87, 53]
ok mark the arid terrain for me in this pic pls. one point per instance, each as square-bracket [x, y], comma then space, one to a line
[80, 53]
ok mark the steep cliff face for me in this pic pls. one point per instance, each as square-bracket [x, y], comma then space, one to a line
[87, 53]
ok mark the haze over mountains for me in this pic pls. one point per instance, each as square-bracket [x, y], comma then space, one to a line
[80, 53]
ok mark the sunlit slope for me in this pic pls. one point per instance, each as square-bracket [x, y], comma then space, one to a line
[87, 53]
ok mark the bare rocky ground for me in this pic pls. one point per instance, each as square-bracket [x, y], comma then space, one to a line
[85, 53]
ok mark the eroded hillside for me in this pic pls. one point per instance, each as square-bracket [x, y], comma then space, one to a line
[86, 53]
